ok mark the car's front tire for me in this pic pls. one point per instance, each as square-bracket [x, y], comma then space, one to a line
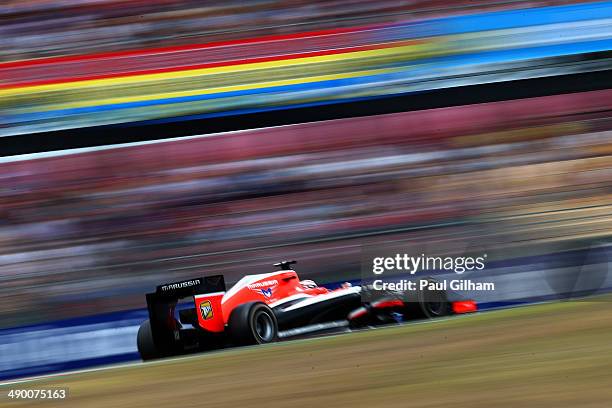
[427, 303]
[434, 303]
[253, 323]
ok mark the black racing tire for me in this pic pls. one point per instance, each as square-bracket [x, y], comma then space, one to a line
[144, 341]
[434, 303]
[252, 323]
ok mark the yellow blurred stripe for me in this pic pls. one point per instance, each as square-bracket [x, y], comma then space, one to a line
[208, 91]
[415, 51]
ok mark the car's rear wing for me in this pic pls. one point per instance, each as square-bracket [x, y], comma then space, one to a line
[161, 305]
[191, 287]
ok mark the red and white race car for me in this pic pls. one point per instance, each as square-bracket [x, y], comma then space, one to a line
[267, 307]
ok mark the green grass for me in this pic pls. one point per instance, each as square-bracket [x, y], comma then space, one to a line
[549, 355]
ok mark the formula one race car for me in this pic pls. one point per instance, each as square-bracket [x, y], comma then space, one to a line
[267, 307]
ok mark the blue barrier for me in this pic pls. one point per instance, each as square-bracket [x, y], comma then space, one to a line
[69, 344]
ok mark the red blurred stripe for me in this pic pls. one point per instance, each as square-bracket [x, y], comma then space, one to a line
[200, 66]
[188, 47]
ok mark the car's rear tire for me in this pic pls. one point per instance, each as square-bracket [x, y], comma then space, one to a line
[144, 341]
[253, 323]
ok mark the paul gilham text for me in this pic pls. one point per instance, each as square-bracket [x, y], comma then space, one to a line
[425, 284]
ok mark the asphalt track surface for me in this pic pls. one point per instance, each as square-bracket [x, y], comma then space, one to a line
[545, 355]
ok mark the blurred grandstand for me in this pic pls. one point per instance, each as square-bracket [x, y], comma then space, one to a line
[88, 232]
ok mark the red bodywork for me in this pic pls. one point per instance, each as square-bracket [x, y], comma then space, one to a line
[267, 288]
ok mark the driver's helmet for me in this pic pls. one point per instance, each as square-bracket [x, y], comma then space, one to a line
[308, 284]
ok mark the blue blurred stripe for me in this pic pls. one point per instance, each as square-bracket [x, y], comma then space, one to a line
[488, 57]
[499, 20]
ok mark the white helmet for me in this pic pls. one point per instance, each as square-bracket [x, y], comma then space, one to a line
[308, 284]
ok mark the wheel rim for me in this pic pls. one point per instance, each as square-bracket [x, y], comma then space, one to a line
[264, 326]
[436, 306]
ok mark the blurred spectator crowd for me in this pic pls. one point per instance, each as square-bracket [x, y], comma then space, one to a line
[89, 232]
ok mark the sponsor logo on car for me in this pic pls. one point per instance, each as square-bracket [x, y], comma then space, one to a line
[180, 285]
[267, 292]
[265, 284]
[206, 310]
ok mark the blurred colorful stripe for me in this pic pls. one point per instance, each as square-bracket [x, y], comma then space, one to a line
[277, 72]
